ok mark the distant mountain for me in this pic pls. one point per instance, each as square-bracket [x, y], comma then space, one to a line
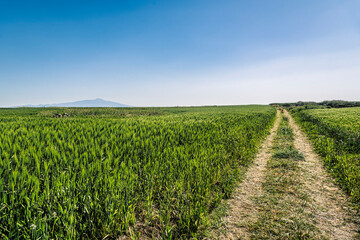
[84, 103]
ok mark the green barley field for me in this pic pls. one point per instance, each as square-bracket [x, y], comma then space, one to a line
[103, 173]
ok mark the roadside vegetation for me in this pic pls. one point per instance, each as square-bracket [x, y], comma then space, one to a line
[105, 173]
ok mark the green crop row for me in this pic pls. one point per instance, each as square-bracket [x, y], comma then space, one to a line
[87, 177]
[336, 136]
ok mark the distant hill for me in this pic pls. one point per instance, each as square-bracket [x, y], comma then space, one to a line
[98, 102]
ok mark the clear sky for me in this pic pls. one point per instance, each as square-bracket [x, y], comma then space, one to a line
[175, 53]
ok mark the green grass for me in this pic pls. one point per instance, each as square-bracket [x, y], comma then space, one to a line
[344, 118]
[288, 153]
[156, 172]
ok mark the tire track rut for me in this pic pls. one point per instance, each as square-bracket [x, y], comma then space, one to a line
[329, 203]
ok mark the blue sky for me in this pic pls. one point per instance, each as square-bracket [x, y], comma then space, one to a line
[171, 53]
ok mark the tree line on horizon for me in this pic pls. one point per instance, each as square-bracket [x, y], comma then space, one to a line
[323, 104]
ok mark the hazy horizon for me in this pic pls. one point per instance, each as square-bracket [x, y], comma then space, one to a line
[167, 53]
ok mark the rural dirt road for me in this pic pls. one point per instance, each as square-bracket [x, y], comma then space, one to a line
[330, 204]
[327, 204]
[242, 207]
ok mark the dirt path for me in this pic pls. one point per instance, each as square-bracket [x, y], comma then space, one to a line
[326, 205]
[242, 208]
[329, 203]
